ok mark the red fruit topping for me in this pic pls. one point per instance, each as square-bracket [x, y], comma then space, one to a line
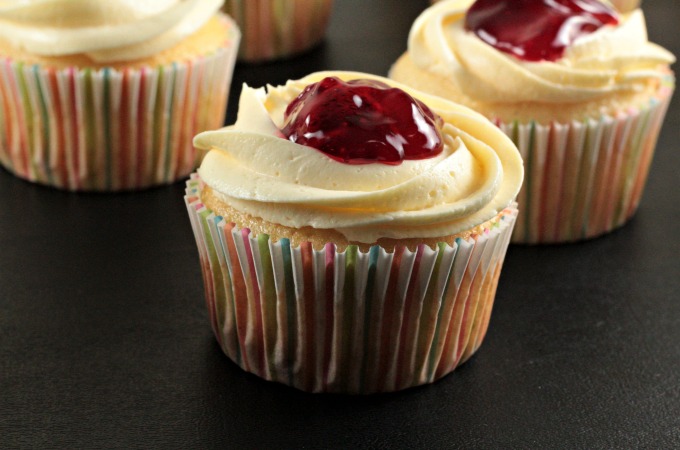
[536, 30]
[363, 121]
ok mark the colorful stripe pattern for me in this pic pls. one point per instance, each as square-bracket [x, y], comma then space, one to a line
[278, 28]
[109, 130]
[351, 322]
[584, 179]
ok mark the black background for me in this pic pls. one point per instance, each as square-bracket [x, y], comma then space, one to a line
[105, 342]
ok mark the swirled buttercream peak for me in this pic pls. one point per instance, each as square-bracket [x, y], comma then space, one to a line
[253, 168]
[610, 60]
[106, 31]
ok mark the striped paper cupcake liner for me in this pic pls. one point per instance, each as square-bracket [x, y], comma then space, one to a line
[278, 28]
[350, 321]
[584, 179]
[110, 130]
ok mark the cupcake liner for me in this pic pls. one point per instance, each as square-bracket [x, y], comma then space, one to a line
[278, 28]
[346, 321]
[108, 129]
[584, 179]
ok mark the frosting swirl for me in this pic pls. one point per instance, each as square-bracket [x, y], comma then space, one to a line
[105, 31]
[611, 60]
[257, 171]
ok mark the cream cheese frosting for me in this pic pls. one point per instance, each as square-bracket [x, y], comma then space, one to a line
[254, 169]
[613, 59]
[106, 31]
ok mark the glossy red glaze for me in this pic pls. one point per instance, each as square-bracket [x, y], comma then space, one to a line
[536, 30]
[363, 121]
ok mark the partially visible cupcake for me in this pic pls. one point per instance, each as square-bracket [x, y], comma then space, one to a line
[578, 88]
[351, 232]
[625, 5]
[274, 29]
[621, 5]
[107, 95]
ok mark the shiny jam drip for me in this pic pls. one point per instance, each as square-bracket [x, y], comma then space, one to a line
[363, 121]
[536, 30]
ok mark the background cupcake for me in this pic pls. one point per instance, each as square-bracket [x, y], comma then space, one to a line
[346, 268]
[585, 114]
[621, 5]
[111, 98]
[625, 5]
[275, 29]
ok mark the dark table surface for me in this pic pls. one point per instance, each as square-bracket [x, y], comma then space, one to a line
[105, 342]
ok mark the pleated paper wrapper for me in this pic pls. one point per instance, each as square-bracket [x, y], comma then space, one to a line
[584, 179]
[274, 29]
[107, 129]
[350, 321]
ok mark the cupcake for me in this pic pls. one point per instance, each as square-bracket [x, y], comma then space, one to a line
[621, 5]
[578, 88]
[625, 5]
[274, 29]
[351, 232]
[107, 96]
